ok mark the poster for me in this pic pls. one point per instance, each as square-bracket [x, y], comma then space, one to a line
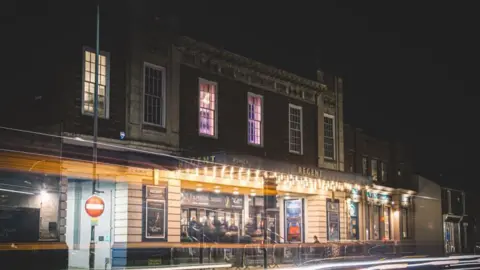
[333, 220]
[155, 218]
[294, 220]
[155, 212]
[353, 218]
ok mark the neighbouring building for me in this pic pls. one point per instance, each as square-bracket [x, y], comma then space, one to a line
[442, 225]
[388, 209]
[458, 226]
[429, 220]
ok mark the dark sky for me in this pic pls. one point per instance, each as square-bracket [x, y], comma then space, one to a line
[410, 67]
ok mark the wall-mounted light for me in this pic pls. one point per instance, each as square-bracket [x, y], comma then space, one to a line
[43, 195]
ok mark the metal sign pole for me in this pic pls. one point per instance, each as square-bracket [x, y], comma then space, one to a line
[95, 137]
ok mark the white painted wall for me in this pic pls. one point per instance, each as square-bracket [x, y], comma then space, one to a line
[79, 257]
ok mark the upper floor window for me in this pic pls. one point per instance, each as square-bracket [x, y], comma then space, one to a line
[374, 169]
[364, 166]
[88, 91]
[329, 136]
[295, 122]
[153, 95]
[255, 121]
[207, 108]
[383, 171]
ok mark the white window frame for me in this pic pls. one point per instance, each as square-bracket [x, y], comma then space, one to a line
[250, 94]
[290, 106]
[326, 115]
[107, 82]
[164, 86]
[215, 130]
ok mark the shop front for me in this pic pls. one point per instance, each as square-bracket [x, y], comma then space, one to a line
[354, 201]
[211, 216]
[32, 212]
[298, 190]
[378, 215]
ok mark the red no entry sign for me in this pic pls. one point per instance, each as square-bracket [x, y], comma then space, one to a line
[94, 206]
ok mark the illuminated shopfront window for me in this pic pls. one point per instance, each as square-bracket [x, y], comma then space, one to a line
[211, 216]
[333, 220]
[378, 216]
[353, 220]
[386, 223]
[404, 228]
[29, 207]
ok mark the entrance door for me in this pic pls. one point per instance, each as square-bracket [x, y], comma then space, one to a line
[451, 237]
[79, 225]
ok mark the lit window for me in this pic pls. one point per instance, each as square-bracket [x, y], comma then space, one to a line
[295, 139]
[207, 108]
[255, 121]
[89, 83]
[374, 169]
[153, 95]
[329, 136]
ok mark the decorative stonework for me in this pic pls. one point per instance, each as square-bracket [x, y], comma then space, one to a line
[236, 67]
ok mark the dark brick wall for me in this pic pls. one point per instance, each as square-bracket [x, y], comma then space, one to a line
[396, 155]
[51, 54]
[113, 40]
[232, 121]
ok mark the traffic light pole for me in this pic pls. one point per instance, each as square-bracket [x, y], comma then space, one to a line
[91, 259]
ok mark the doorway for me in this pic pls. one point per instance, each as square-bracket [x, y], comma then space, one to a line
[451, 237]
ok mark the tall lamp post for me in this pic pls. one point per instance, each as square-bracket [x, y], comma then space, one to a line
[91, 258]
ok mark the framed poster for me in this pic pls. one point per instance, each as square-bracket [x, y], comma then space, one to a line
[294, 220]
[333, 220]
[155, 219]
[155, 212]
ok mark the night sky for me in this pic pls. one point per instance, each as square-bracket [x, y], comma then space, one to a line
[410, 68]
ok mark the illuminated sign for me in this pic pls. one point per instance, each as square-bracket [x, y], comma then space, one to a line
[378, 198]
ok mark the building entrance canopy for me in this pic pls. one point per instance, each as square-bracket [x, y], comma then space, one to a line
[280, 169]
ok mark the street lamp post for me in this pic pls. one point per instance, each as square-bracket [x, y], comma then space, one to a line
[91, 258]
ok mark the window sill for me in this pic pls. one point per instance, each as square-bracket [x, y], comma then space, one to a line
[151, 127]
[207, 136]
[91, 115]
[255, 145]
[295, 153]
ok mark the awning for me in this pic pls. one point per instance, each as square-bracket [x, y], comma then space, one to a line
[257, 163]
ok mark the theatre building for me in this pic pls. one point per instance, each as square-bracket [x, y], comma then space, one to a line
[193, 135]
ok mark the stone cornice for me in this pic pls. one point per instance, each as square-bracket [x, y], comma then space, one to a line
[220, 62]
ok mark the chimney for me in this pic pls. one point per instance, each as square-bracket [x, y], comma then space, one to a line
[320, 75]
